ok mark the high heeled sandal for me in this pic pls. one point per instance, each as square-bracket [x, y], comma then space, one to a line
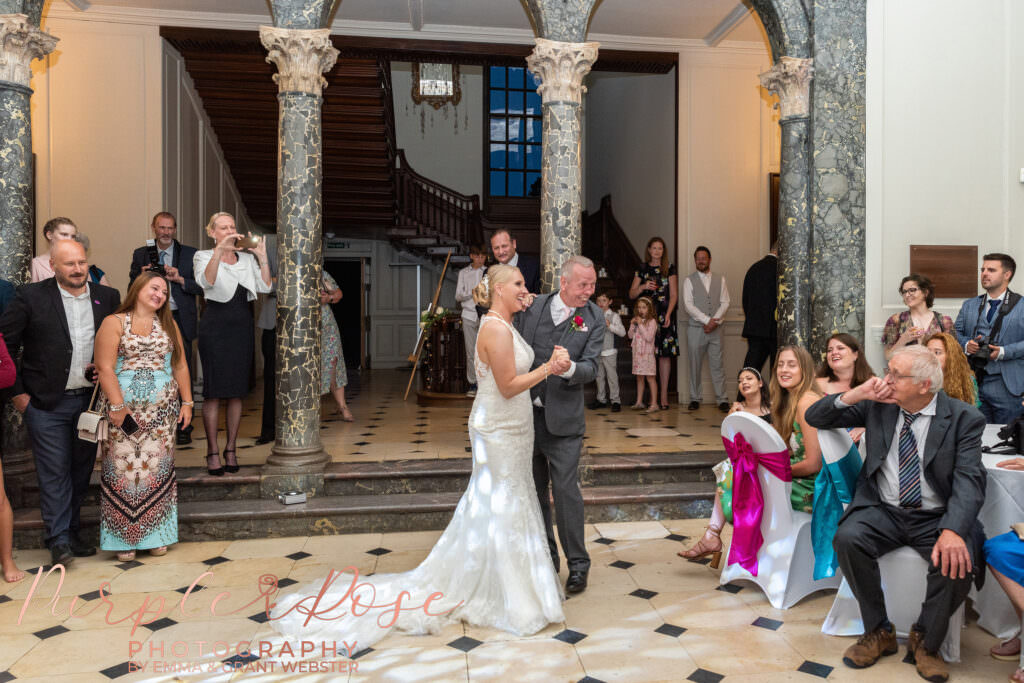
[346, 414]
[703, 548]
[126, 556]
[157, 552]
[653, 408]
[230, 468]
[637, 406]
[214, 471]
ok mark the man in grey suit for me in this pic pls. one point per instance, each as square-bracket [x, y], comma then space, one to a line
[922, 485]
[569, 319]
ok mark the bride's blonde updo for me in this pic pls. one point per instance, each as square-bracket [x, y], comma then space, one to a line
[498, 274]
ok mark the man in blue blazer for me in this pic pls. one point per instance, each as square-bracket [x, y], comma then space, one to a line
[176, 259]
[995, 318]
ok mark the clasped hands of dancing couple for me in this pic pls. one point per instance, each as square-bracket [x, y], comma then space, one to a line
[496, 564]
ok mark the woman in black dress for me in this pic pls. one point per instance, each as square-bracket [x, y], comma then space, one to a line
[657, 279]
[230, 279]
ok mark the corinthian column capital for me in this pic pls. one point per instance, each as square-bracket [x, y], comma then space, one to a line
[20, 43]
[301, 57]
[790, 79]
[561, 68]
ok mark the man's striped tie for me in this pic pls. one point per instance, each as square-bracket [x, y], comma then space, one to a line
[910, 465]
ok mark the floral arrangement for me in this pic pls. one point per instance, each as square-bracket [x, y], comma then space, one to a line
[428, 317]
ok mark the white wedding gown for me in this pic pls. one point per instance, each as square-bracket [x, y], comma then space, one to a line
[493, 557]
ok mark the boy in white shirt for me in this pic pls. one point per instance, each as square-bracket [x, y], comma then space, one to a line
[606, 367]
[469, 278]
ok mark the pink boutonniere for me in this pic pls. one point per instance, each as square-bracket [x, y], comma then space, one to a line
[578, 325]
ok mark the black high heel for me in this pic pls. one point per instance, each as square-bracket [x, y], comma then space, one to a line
[230, 468]
[218, 472]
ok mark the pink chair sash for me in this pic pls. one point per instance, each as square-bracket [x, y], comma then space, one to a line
[747, 498]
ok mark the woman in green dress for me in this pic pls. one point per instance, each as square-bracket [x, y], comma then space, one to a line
[793, 390]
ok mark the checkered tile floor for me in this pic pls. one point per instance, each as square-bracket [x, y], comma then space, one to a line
[646, 616]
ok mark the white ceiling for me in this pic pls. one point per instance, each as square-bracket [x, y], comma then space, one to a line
[670, 19]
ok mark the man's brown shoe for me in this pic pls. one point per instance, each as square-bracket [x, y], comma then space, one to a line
[930, 665]
[870, 647]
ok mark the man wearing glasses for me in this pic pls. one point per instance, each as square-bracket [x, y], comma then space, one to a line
[990, 329]
[922, 485]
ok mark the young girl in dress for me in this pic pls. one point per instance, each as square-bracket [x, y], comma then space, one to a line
[642, 330]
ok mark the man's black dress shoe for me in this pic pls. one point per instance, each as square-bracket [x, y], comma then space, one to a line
[260, 440]
[693, 405]
[577, 581]
[80, 548]
[61, 554]
[183, 439]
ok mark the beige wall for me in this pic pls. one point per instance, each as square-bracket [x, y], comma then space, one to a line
[728, 144]
[945, 139]
[98, 122]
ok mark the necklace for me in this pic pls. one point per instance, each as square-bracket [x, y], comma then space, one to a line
[499, 316]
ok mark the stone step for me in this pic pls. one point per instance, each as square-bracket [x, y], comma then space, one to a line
[449, 475]
[342, 514]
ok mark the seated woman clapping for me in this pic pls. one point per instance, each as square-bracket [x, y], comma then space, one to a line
[792, 392]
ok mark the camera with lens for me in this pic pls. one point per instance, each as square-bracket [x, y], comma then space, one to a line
[980, 358]
[154, 259]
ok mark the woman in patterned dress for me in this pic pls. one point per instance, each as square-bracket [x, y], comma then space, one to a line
[333, 377]
[142, 373]
[657, 279]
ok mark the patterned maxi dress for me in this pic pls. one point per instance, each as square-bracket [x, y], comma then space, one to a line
[332, 355]
[138, 492]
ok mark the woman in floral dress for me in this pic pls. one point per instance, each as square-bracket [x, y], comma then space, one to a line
[142, 373]
[657, 279]
[333, 376]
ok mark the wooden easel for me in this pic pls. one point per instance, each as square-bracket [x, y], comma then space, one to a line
[422, 338]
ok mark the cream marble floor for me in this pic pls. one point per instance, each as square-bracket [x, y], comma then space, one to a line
[646, 616]
[388, 428]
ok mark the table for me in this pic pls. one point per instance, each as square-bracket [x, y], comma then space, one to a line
[1004, 505]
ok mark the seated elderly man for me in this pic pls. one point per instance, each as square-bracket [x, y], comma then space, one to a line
[922, 485]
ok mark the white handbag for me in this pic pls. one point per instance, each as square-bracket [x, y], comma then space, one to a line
[92, 425]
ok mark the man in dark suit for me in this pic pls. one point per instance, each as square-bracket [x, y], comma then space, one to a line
[922, 485]
[503, 246]
[176, 260]
[54, 323]
[569, 319]
[760, 297]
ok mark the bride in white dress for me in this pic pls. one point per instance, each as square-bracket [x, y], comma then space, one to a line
[492, 564]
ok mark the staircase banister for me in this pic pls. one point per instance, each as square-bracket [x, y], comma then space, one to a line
[471, 199]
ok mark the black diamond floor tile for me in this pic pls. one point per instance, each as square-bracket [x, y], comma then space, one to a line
[670, 630]
[240, 660]
[160, 623]
[362, 443]
[50, 632]
[184, 589]
[704, 676]
[121, 669]
[362, 653]
[570, 636]
[6, 676]
[260, 617]
[297, 556]
[730, 588]
[815, 669]
[216, 560]
[621, 564]
[92, 596]
[378, 551]
[643, 593]
[604, 541]
[765, 622]
[129, 565]
[285, 582]
[465, 643]
[4, 598]
[590, 679]
[675, 537]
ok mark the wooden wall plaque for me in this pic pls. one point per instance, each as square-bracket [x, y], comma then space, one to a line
[952, 268]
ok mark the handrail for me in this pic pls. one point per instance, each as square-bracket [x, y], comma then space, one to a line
[433, 209]
[384, 70]
[605, 243]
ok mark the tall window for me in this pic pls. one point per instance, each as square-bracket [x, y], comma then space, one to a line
[514, 133]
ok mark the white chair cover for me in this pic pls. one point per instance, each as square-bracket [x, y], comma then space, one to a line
[785, 563]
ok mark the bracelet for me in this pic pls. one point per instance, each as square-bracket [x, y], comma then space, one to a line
[188, 403]
[115, 407]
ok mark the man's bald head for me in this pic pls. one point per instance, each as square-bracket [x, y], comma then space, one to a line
[70, 265]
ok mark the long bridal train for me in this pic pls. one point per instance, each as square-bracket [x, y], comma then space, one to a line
[491, 566]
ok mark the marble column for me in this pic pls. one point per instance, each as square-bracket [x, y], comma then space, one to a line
[560, 66]
[301, 56]
[790, 78]
[21, 41]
